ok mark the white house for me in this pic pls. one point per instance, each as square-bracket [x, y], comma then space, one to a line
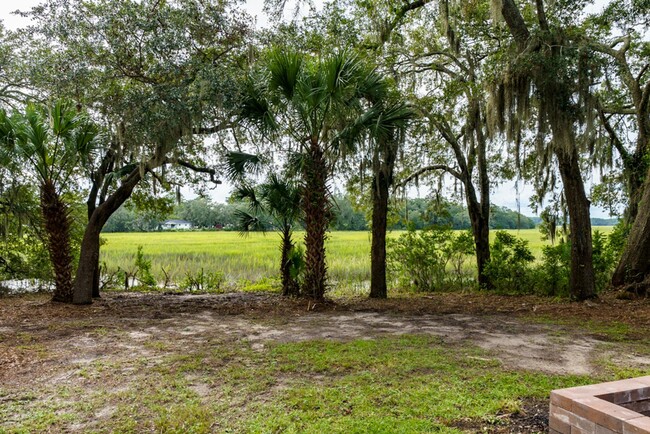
[176, 224]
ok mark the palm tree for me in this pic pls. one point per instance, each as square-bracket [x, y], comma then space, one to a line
[382, 126]
[310, 101]
[51, 142]
[280, 199]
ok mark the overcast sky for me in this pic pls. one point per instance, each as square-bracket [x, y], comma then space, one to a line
[505, 195]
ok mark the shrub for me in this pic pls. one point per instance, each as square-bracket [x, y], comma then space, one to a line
[202, 281]
[617, 239]
[459, 249]
[552, 274]
[605, 253]
[509, 268]
[143, 267]
[419, 259]
[297, 264]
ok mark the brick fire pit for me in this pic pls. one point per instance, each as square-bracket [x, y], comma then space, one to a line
[621, 407]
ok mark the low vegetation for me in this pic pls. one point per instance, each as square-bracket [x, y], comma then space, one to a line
[176, 257]
[245, 364]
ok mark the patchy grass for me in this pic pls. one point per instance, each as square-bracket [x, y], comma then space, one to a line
[137, 363]
[611, 330]
[397, 384]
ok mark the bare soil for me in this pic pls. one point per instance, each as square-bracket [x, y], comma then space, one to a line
[40, 341]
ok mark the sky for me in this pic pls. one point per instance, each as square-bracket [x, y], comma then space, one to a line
[504, 195]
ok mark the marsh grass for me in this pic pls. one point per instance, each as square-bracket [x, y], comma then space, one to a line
[247, 260]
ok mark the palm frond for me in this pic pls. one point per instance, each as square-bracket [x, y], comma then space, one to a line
[247, 193]
[341, 70]
[295, 163]
[238, 164]
[372, 86]
[63, 120]
[384, 120]
[285, 67]
[255, 104]
[84, 138]
[248, 222]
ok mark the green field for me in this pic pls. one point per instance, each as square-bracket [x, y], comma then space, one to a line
[250, 258]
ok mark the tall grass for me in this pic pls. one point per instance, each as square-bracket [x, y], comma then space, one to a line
[252, 257]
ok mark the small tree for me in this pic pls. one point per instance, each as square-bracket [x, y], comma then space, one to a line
[280, 199]
[52, 142]
[308, 102]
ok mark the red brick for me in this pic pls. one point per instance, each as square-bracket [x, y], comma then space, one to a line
[559, 426]
[603, 430]
[645, 380]
[603, 413]
[587, 425]
[564, 397]
[640, 425]
[560, 413]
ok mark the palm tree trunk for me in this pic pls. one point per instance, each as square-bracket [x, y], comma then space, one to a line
[383, 168]
[57, 228]
[378, 287]
[317, 218]
[289, 285]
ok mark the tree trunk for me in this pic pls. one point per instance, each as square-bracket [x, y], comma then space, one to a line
[57, 229]
[582, 279]
[481, 232]
[289, 285]
[89, 256]
[634, 266]
[83, 284]
[635, 169]
[96, 277]
[317, 217]
[479, 212]
[380, 186]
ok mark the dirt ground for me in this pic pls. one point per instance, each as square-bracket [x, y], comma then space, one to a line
[523, 332]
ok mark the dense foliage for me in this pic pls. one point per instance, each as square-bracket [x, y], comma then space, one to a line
[109, 108]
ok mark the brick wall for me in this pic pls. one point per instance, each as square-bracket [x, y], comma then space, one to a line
[616, 407]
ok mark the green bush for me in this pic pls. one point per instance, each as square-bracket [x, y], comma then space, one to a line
[24, 257]
[432, 259]
[606, 250]
[617, 239]
[143, 267]
[509, 268]
[552, 274]
[202, 281]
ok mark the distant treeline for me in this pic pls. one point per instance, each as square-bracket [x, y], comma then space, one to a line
[416, 213]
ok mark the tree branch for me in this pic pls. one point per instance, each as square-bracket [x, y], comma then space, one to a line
[515, 22]
[208, 170]
[541, 15]
[213, 129]
[427, 169]
[612, 134]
